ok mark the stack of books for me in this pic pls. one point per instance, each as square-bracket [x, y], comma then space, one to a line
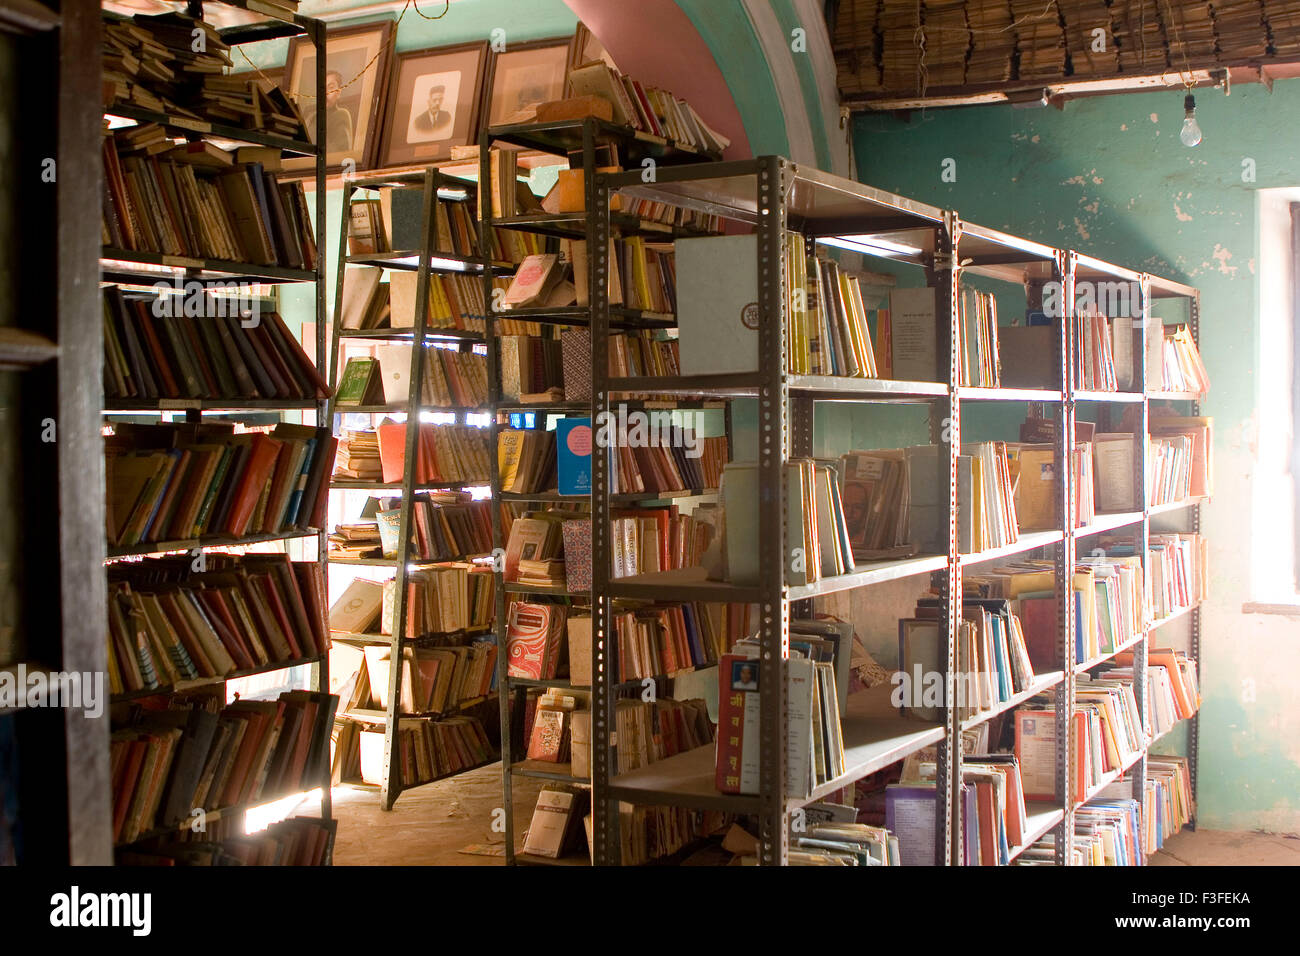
[1087, 56]
[661, 641]
[1167, 800]
[427, 750]
[158, 63]
[358, 456]
[200, 755]
[1107, 830]
[998, 798]
[535, 548]
[197, 201]
[1179, 572]
[1040, 41]
[152, 350]
[1239, 29]
[646, 540]
[181, 481]
[356, 539]
[1180, 461]
[1143, 45]
[434, 680]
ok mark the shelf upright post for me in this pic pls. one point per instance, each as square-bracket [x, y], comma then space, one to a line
[1064, 268]
[944, 275]
[392, 785]
[1144, 535]
[803, 411]
[1194, 731]
[321, 671]
[486, 212]
[773, 450]
[604, 645]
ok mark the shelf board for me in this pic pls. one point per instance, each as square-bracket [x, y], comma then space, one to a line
[186, 685]
[207, 541]
[1112, 775]
[237, 134]
[393, 562]
[210, 816]
[367, 715]
[345, 484]
[1108, 522]
[975, 393]
[1040, 816]
[1093, 395]
[545, 770]
[580, 316]
[736, 383]
[403, 788]
[1174, 506]
[566, 136]
[127, 265]
[1172, 616]
[1042, 682]
[439, 262]
[1159, 396]
[827, 387]
[682, 584]
[233, 404]
[404, 408]
[623, 498]
[1027, 541]
[22, 349]
[462, 335]
[869, 572]
[573, 225]
[1128, 645]
[683, 780]
[386, 640]
[514, 587]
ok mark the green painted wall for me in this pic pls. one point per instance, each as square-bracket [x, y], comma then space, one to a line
[1108, 176]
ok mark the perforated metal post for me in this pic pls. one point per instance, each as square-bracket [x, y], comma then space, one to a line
[1194, 731]
[1143, 536]
[773, 450]
[604, 646]
[1064, 268]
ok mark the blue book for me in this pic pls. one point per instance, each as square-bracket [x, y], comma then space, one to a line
[1078, 626]
[573, 453]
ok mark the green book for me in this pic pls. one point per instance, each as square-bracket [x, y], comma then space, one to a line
[360, 383]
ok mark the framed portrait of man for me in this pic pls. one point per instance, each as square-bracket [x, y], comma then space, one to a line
[433, 103]
[525, 76]
[354, 89]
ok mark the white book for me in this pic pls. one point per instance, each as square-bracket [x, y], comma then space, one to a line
[717, 304]
[800, 700]
[912, 326]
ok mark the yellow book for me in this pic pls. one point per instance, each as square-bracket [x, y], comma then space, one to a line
[509, 446]
[977, 503]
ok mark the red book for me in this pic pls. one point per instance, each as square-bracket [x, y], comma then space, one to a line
[737, 753]
[392, 449]
[261, 464]
[1042, 640]
[272, 594]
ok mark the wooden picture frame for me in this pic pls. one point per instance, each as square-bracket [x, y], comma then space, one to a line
[525, 76]
[434, 103]
[358, 56]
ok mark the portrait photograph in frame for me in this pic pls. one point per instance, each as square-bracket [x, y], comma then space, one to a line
[354, 94]
[433, 104]
[524, 77]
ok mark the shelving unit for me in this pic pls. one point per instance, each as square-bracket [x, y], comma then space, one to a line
[426, 262]
[141, 270]
[772, 195]
[572, 137]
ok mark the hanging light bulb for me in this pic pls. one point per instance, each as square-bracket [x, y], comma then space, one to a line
[1191, 131]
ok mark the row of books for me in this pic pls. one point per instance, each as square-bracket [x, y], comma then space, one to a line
[977, 351]
[1179, 576]
[1116, 830]
[446, 525]
[299, 841]
[631, 353]
[557, 719]
[1180, 459]
[828, 316]
[455, 302]
[647, 540]
[993, 661]
[670, 458]
[186, 480]
[450, 378]
[440, 600]
[198, 754]
[993, 799]
[394, 222]
[1096, 343]
[168, 623]
[650, 731]
[1181, 368]
[531, 368]
[176, 64]
[661, 640]
[160, 353]
[647, 109]
[446, 454]
[642, 276]
[179, 201]
[816, 677]
[425, 749]
[434, 680]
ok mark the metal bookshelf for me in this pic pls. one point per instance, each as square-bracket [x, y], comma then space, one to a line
[579, 139]
[773, 195]
[139, 269]
[426, 262]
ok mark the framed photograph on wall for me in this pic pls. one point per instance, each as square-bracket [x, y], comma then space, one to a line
[433, 103]
[524, 77]
[354, 89]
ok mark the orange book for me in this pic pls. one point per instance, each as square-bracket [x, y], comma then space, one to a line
[988, 826]
[392, 449]
[261, 464]
[1082, 763]
[1182, 693]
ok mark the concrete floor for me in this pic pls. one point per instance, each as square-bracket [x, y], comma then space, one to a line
[433, 824]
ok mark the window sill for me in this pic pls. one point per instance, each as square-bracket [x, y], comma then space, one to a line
[1285, 610]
